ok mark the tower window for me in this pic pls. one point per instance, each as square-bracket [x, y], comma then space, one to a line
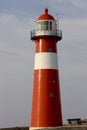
[49, 49]
[50, 94]
[45, 25]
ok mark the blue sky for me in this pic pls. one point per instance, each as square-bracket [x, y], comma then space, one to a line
[17, 19]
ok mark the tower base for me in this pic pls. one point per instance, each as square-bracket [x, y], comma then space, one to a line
[43, 128]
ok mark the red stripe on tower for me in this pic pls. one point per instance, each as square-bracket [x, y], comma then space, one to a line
[46, 103]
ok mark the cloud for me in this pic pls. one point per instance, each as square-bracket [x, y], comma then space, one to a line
[20, 8]
[14, 32]
[68, 8]
[72, 67]
[80, 4]
[73, 47]
[16, 70]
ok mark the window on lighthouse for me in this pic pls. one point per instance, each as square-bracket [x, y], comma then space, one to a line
[45, 25]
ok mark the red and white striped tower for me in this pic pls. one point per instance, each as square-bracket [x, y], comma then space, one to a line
[46, 104]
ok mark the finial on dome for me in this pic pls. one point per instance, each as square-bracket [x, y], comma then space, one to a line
[46, 11]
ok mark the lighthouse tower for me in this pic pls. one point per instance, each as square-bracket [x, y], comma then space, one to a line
[46, 103]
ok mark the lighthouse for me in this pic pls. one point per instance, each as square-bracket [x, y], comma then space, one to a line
[46, 102]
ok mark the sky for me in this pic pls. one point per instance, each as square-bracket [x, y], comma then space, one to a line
[17, 19]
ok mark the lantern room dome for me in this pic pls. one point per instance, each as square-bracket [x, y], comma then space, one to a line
[45, 16]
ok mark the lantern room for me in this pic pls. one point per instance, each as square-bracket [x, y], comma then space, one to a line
[46, 26]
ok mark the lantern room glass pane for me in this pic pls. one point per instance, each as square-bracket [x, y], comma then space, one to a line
[45, 25]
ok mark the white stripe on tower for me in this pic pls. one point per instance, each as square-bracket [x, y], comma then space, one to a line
[46, 60]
